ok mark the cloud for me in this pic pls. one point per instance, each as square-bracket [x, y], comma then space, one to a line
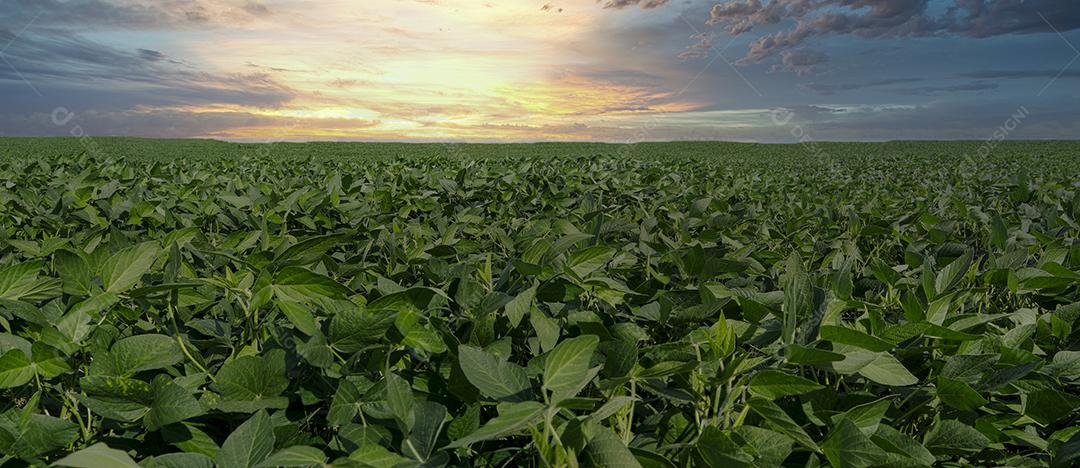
[131, 14]
[701, 48]
[644, 4]
[1022, 74]
[803, 61]
[883, 19]
[178, 123]
[828, 89]
[151, 55]
[53, 58]
[935, 90]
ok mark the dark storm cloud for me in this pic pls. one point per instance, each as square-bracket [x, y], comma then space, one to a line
[886, 19]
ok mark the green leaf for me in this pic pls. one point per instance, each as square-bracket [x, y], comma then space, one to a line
[78, 323]
[353, 329]
[400, 400]
[895, 442]
[566, 368]
[19, 280]
[297, 455]
[47, 361]
[496, 379]
[950, 276]
[520, 305]
[772, 385]
[251, 383]
[172, 404]
[798, 297]
[796, 354]
[959, 395]
[950, 436]
[98, 455]
[124, 269]
[847, 446]
[849, 336]
[779, 420]
[300, 316]
[584, 262]
[717, 450]
[886, 370]
[74, 271]
[377, 456]
[299, 285]
[412, 300]
[139, 353]
[771, 447]
[606, 450]
[31, 435]
[512, 418]
[15, 369]
[1067, 453]
[179, 460]
[249, 444]
[428, 422]
[1048, 406]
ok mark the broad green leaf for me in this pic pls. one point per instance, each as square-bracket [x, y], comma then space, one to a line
[29, 435]
[412, 300]
[179, 460]
[139, 353]
[605, 449]
[895, 442]
[249, 444]
[300, 316]
[848, 336]
[98, 455]
[299, 285]
[847, 446]
[566, 368]
[74, 271]
[297, 455]
[495, 378]
[773, 385]
[512, 418]
[172, 404]
[17, 281]
[124, 269]
[587, 261]
[15, 369]
[718, 450]
[950, 276]
[400, 400]
[520, 305]
[781, 422]
[1048, 406]
[251, 383]
[951, 436]
[886, 370]
[353, 329]
[959, 395]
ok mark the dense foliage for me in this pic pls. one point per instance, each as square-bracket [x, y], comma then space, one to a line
[192, 303]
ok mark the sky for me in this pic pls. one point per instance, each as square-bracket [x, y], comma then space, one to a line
[541, 70]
